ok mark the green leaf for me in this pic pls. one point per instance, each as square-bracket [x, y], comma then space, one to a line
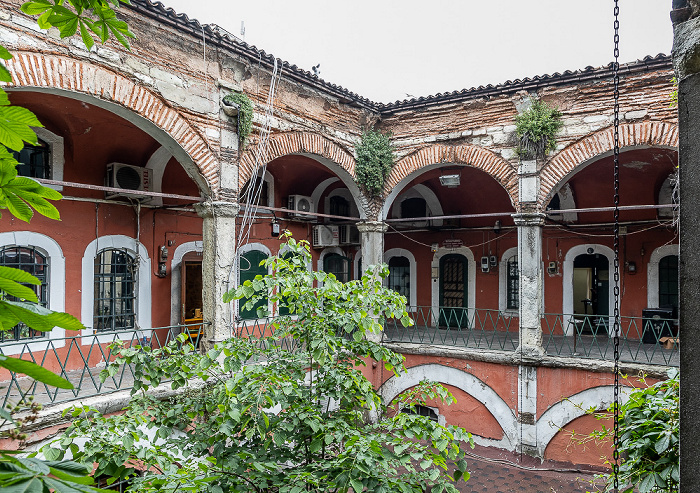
[39, 318]
[35, 7]
[15, 128]
[5, 75]
[662, 444]
[34, 371]
[356, 485]
[32, 485]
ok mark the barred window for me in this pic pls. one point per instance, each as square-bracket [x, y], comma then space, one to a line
[337, 265]
[35, 263]
[34, 161]
[668, 281]
[400, 276]
[512, 286]
[339, 206]
[250, 268]
[115, 295]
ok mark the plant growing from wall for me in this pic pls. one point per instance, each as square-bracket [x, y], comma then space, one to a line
[649, 438]
[375, 158]
[536, 128]
[245, 114]
[286, 412]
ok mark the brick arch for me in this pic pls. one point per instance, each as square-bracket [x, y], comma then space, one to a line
[581, 152]
[35, 70]
[283, 144]
[468, 155]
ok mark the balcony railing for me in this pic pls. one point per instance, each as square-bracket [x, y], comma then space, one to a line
[642, 340]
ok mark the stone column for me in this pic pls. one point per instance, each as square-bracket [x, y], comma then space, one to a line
[372, 242]
[686, 61]
[530, 282]
[218, 273]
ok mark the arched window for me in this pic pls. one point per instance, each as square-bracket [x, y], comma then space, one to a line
[35, 263]
[413, 207]
[249, 268]
[400, 276]
[339, 206]
[34, 161]
[338, 265]
[668, 282]
[512, 286]
[115, 293]
[421, 411]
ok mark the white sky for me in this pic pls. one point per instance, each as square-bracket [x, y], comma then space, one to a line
[386, 50]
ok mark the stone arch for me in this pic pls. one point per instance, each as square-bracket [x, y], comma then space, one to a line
[567, 410]
[466, 382]
[114, 92]
[468, 155]
[304, 143]
[594, 146]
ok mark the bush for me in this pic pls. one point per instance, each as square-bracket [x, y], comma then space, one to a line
[536, 129]
[375, 158]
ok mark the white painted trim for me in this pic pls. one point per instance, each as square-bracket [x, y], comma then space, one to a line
[567, 201]
[327, 251]
[143, 286]
[56, 281]
[466, 382]
[249, 247]
[400, 252]
[575, 406]
[176, 277]
[503, 282]
[56, 154]
[398, 189]
[432, 203]
[157, 163]
[356, 264]
[320, 188]
[471, 279]
[653, 272]
[665, 196]
[568, 282]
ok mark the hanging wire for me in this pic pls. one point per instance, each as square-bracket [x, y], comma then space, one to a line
[616, 247]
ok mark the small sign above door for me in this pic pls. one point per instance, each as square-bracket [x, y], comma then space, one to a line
[452, 243]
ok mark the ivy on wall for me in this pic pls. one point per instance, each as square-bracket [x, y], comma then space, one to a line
[245, 114]
[536, 129]
[375, 158]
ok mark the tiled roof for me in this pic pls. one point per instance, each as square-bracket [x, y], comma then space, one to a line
[216, 35]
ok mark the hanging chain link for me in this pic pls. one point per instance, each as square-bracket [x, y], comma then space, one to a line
[616, 242]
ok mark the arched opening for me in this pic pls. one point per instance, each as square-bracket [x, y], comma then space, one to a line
[591, 291]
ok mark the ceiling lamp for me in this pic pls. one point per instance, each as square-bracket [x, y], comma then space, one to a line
[450, 181]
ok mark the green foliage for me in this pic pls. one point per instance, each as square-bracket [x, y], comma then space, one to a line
[674, 94]
[375, 158]
[536, 129]
[284, 413]
[245, 114]
[95, 19]
[649, 438]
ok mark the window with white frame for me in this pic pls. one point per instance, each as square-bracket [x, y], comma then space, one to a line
[400, 276]
[115, 290]
[31, 260]
[34, 160]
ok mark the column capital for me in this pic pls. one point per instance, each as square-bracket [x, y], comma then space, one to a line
[529, 218]
[372, 227]
[212, 210]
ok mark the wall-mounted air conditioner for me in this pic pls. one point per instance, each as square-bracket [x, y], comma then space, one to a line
[300, 203]
[127, 178]
[349, 234]
[325, 236]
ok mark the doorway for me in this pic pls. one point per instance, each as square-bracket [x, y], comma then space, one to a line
[591, 285]
[191, 295]
[453, 291]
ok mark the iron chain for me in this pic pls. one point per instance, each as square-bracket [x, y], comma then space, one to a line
[616, 246]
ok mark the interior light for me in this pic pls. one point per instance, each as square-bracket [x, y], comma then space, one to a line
[449, 181]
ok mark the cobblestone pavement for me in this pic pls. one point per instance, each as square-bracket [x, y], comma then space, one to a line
[493, 474]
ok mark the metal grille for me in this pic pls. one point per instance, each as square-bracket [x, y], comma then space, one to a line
[512, 284]
[453, 282]
[34, 161]
[250, 268]
[337, 265]
[115, 297]
[29, 260]
[400, 276]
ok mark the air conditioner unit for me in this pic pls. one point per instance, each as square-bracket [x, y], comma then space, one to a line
[127, 178]
[349, 234]
[325, 236]
[300, 203]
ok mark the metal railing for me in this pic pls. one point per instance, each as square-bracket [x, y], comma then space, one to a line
[79, 359]
[642, 340]
[460, 327]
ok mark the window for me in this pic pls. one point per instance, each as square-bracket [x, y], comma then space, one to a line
[512, 286]
[249, 267]
[34, 161]
[668, 282]
[115, 298]
[338, 265]
[35, 263]
[339, 206]
[400, 276]
[414, 207]
[419, 410]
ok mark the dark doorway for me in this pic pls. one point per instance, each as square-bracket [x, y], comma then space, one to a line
[453, 291]
[591, 293]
